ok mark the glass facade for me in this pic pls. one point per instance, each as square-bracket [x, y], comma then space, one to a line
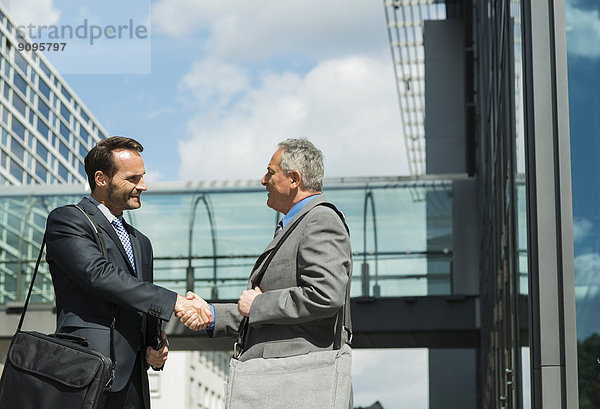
[46, 130]
[584, 102]
[208, 238]
[502, 192]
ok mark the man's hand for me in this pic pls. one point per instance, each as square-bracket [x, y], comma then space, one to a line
[246, 299]
[194, 312]
[156, 358]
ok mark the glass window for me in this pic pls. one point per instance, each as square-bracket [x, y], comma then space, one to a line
[66, 93]
[44, 109]
[63, 172]
[45, 69]
[44, 89]
[7, 69]
[19, 104]
[64, 111]
[41, 151]
[82, 150]
[41, 171]
[83, 133]
[21, 62]
[18, 128]
[63, 150]
[84, 116]
[42, 128]
[4, 137]
[18, 150]
[20, 83]
[16, 171]
[6, 91]
[64, 131]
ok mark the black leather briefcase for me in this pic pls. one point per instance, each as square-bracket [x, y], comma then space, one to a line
[50, 372]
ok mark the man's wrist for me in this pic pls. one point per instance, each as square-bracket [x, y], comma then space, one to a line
[212, 311]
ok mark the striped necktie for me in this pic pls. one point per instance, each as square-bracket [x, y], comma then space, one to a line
[125, 241]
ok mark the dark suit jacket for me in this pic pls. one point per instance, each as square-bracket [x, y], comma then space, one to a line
[303, 288]
[91, 289]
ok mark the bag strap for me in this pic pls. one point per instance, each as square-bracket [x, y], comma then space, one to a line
[346, 321]
[239, 345]
[35, 270]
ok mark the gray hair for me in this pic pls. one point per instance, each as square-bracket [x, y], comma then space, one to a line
[301, 155]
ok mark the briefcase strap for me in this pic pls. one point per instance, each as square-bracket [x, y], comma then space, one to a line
[346, 326]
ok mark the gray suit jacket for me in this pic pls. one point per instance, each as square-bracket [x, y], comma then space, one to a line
[91, 289]
[304, 289]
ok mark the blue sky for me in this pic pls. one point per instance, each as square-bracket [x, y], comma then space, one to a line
[216, 85]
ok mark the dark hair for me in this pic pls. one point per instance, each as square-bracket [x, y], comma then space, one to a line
[100, 157]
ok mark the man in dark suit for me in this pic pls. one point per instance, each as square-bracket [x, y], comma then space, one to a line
[92, 290]
[297, 307]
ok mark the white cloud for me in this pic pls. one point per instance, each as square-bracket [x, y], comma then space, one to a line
[397, 378]
[346, 106]
[587, 269]
[37, 12]
[581, 229]
[583, 31]
[251, 30]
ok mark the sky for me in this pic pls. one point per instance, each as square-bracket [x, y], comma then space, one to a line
[214, 86]
[223, 82]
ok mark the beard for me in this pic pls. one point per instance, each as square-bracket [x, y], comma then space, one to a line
[122, 198]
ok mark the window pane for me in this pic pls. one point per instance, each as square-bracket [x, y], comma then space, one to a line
[41, 151]
[44, 89]
[19, 104]
[64, 111]
[42, 128]
[44, 109]
[20, 62]
[18, 128]
[21, 83]
[18, 150]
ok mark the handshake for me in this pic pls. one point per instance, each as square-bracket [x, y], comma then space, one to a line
[195, 313]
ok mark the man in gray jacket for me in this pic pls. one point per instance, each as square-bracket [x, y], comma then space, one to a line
[296, 308]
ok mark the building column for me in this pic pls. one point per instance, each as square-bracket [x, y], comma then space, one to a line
[551, 272]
